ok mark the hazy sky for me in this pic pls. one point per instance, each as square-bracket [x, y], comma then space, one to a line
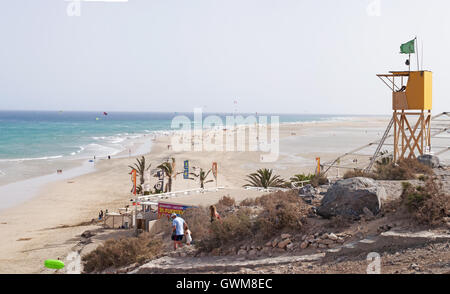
[288, 56]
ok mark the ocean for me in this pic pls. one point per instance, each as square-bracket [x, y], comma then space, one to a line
[35, 143]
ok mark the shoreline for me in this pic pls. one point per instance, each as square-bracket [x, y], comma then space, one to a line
[40, 228]
[142, 146]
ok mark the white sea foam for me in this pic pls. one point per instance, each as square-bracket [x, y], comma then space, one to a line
[28, 159]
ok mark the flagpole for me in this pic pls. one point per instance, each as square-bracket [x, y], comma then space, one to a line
[409, 62]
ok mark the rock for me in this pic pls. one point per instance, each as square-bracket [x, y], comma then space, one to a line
[383, 229]
[429, 160]
[349, 197]
[285, 236]
[308, 191]
[252, 252]
[290, 246]
[242, 252]
[304, 245]
[326, 241]
[414, 267]
[265, 250]
[85, 241]
[332, 237]
[304, 237]
[284, 243]
[324, 236]
[322, 246]
[368, 214]
[87, 234]
[340, 240]
[274, 243]
[269, 244]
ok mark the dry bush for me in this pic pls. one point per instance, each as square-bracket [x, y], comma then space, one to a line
[280, 211]
[122, 252]
[318, 180]
[225, 205]
[198, 221]
[405, 169]
[428, 204]
[357, 173]
[226, 201]
[278, 216]
[248, 202]
[229, 230]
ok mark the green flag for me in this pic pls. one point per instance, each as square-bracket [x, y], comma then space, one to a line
[408, 47]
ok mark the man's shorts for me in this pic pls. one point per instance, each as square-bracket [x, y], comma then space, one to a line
[177, 237]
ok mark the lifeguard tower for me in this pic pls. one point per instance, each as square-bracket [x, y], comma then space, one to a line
[412, 104]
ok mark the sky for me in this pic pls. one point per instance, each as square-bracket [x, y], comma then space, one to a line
[270, 56]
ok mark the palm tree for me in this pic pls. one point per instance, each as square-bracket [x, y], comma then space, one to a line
[169, 170]
[300, 178]
[202, 175]
[140, 169]
[264, 178]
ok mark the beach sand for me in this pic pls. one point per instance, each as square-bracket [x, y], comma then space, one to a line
[46, 226]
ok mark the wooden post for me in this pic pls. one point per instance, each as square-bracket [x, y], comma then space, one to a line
[395, 136]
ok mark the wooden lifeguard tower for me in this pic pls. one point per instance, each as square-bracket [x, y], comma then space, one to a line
[412, 104]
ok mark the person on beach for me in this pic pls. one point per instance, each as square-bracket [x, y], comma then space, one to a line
[178, 225]
[213, 213]
[100, 215]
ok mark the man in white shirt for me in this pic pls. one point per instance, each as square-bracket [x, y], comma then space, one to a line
[178, 225]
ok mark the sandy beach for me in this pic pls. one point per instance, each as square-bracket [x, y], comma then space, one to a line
[45, 226]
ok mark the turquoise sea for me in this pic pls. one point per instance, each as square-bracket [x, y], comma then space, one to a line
[37, 143]
[40, 135]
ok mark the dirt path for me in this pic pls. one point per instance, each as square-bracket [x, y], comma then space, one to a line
[400, 252]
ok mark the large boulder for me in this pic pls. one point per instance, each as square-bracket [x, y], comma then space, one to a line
[350, 197]
[429, 160]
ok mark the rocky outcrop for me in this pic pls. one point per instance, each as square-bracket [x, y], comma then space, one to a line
[352, 198]
[308, 191]
[429, 160]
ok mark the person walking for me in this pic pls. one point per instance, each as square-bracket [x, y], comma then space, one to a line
[178, 225]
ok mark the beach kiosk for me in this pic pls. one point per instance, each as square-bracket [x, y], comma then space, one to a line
[411, 105]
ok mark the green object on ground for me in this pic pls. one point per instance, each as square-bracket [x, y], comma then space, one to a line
[408, 47]
[54, 264]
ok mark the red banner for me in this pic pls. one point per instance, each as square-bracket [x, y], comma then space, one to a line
[168, 208]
